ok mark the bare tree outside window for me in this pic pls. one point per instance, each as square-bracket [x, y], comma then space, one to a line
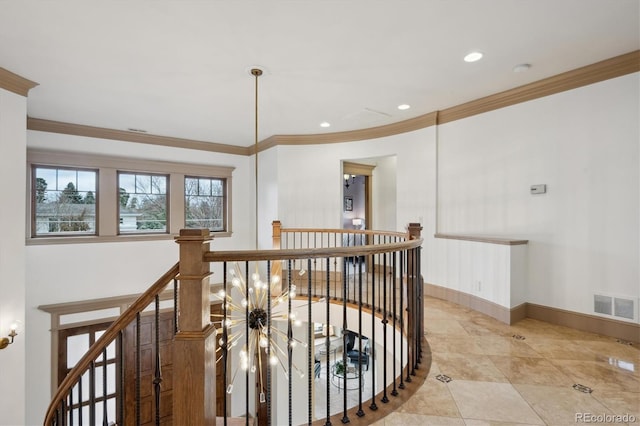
[143, 202]
[205, 203]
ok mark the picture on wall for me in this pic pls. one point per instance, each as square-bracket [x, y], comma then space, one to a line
[348, 204]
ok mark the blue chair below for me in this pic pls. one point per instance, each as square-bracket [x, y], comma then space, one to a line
[354, 340]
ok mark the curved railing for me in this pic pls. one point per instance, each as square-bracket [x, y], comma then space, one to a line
[366, 284]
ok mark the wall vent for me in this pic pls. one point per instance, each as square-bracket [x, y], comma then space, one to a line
[616, 306]
[602, 304]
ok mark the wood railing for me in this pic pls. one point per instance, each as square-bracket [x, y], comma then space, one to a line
[367, 284]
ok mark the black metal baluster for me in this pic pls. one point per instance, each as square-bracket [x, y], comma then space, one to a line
[225, 347]
[157, 379]
[80, 416]
[105, 417]
[327, 343]
[385, 321]
[360, 412]
[175, 306]
[289, 346]
[270, 345]
[371, 363]
[310, 345]
[92, 393]
[404, 272]
[246, 334]
[345, 418]
[401, 318]
[70, 406]
[394, 285]
[63, 413]
[120, 388]
[138, 369]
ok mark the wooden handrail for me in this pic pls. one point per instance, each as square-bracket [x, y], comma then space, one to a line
[308, 253]
[109, 335]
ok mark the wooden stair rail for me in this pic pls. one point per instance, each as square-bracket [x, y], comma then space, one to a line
[109, 335]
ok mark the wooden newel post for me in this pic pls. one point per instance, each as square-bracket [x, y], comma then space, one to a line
[277, 232]
[194, 362]
[414, 311]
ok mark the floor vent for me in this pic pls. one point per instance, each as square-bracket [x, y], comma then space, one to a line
[621, 307]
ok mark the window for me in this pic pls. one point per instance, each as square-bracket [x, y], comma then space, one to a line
[64, 200]
[81, 198]
[142, 201]
[205, 204]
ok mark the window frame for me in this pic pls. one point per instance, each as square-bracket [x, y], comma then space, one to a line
[167, 195]
[107, 199]
[32, 192]
[225, 208]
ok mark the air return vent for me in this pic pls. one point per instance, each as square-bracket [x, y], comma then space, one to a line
[616, 306]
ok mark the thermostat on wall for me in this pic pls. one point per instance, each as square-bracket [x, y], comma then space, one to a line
[539, 189]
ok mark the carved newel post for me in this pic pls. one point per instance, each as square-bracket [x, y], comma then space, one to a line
[194, 368]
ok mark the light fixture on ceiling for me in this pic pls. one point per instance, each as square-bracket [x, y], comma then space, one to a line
[521, 68]
[325, 124]
[473, 57]
[403, 107]
[346, 177]
[253, 316]
[6, 341]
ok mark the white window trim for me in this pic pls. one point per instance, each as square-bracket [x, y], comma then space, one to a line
[108, 167]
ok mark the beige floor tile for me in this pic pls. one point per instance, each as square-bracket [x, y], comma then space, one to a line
[441, 343]
[532, 371]
[468, 367]
[474, 422]
[433, 399]
[561, 349]
[407, 419]
[560, 405]
[446, 327]
[498, 345]
[620, 402]
[492, 401]
[485, 327]
[599, 375]
[613, 352]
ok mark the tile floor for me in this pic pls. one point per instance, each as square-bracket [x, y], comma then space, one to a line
[522, 374]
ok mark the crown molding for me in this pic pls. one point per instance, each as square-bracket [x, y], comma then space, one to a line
[50, 126]
[590, 74]
[404, 126]
[14, 83]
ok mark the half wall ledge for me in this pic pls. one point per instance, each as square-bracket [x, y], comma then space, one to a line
[482, 239]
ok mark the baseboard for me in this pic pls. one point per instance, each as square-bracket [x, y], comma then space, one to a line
[625, 331]
[622, 330]
[478, 304]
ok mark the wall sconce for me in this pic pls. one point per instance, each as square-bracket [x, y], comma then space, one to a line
[346, 177]
[357, 222]
[6, 341]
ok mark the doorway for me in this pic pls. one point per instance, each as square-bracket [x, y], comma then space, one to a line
[357, 180]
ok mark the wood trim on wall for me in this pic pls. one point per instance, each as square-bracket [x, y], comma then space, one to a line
[622, 330]
[610, 68]
[51, 126]
[590, 74]
[15, 83]
[482, 239]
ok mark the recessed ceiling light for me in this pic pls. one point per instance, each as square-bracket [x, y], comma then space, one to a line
[403, 107]
[325, 124]
[521, 67]
[473, 56]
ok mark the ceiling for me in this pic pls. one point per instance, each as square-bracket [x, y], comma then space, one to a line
[181, 69]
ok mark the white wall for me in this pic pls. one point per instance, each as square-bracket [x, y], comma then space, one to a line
[71, 272]
[583, 234]
[13, 138]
